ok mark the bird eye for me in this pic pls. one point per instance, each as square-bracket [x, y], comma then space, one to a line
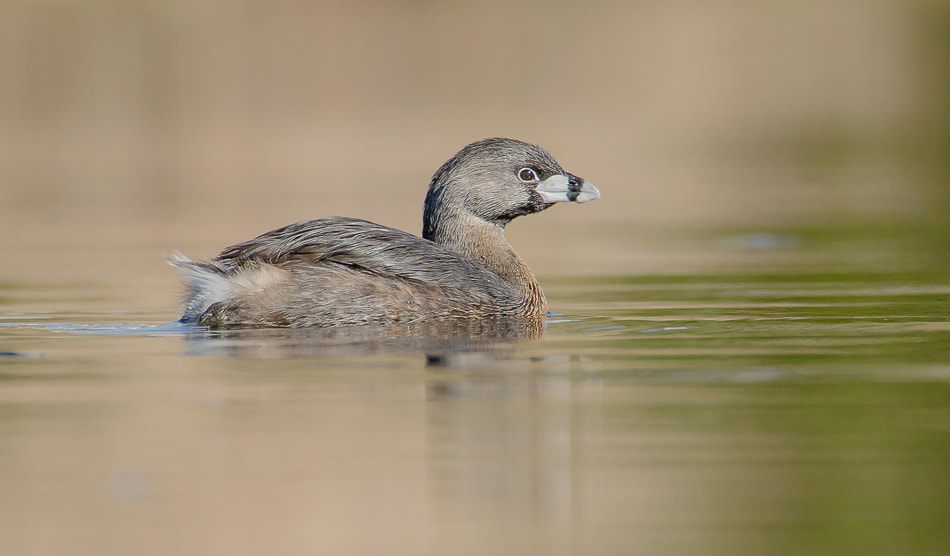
[527, 175]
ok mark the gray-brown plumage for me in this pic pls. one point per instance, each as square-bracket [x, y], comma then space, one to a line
[339, 271]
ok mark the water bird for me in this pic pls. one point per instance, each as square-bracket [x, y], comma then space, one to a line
[339, 271]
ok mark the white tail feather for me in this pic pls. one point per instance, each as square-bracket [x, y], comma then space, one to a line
[206, 286]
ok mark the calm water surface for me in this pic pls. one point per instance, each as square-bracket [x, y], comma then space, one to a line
[707, 414]
[779, 385]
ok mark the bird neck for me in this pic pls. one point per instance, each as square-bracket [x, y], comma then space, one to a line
[485, 244]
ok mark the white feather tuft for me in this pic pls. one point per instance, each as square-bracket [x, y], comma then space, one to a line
[206, 286]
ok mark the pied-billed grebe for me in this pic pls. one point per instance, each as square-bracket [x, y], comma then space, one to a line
[340, 271]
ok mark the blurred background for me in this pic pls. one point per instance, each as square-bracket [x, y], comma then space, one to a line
[757, 357]
[721, 134]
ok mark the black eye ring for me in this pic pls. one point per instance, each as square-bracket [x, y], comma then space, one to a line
[527, 175]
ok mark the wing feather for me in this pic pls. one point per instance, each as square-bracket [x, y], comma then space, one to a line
[364, 246]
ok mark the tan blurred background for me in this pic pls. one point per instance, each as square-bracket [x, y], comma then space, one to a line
[129, 129]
